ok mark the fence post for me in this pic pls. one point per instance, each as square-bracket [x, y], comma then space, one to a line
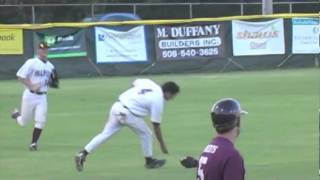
[267, 6]
[33, 14]
[190, 11]
[241, 9]
[92, 9]
[290, 7]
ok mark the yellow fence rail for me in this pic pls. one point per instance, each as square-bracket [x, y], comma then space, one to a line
[152, 22]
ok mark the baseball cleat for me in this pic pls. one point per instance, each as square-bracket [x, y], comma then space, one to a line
[155, 163]
[79, 160]
[15, 114]
[33, 147]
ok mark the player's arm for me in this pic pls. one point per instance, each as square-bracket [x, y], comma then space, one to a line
[234, 168]
[23, 74]
[156, 112]
[158, 133]
[29, 84]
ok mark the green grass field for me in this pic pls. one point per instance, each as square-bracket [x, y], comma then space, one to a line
[279, 139]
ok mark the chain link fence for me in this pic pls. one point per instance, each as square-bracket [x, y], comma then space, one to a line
[56, 11]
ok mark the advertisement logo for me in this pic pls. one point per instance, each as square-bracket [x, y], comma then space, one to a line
[11, 41]
[9, 37]
[52, 40]
[101, 37]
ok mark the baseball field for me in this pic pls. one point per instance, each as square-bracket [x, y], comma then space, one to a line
[279, 138]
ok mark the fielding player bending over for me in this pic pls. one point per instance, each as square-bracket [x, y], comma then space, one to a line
[145, 97]
[220, 160]
[36, 74]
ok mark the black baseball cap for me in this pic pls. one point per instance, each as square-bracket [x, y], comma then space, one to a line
[43, 45]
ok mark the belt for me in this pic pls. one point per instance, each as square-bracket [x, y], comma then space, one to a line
[38, 93]
[126, 107]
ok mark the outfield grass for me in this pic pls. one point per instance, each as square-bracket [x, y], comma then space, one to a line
[279, 139]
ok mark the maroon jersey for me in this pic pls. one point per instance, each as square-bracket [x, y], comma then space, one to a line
[220, 161]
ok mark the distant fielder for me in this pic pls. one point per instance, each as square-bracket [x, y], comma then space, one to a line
[36, 74]
[144, 98]
[220, 160]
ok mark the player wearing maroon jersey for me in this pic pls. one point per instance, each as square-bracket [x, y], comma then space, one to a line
[220, 160]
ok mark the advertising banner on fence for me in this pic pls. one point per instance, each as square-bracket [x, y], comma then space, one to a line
[62, 43]
[11, 41]
[305, 36]
[120, 46]
[258, 38]
[200, 41]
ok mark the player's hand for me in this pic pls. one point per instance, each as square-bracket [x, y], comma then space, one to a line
[189, 162]
[35, 87]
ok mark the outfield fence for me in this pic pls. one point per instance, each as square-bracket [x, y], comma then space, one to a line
[166, 46]
[44, 12]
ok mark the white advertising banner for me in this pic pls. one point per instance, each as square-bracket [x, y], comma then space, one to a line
[120, 46]
[190, 41]
[305, 36]
[258, 38]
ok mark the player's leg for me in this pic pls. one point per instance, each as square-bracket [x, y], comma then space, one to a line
[109, 130]
[40, 121]
[143, 131]
[112, 126]
[27, 110]
[145, 134]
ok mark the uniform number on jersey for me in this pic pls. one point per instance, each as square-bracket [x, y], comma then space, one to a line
[202, 162]
[144, 91]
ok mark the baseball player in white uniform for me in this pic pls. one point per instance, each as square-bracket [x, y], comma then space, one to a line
[35, 74]
[144, 98]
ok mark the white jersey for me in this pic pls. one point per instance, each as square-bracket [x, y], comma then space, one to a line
[144, 98]
[37, 71]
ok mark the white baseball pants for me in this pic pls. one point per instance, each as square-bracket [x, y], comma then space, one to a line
[33, 105]
[118, 118]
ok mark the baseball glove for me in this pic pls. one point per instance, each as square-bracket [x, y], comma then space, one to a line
[189, 162]
[54, 79]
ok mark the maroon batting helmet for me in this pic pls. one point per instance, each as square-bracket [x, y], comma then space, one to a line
[225, 114]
